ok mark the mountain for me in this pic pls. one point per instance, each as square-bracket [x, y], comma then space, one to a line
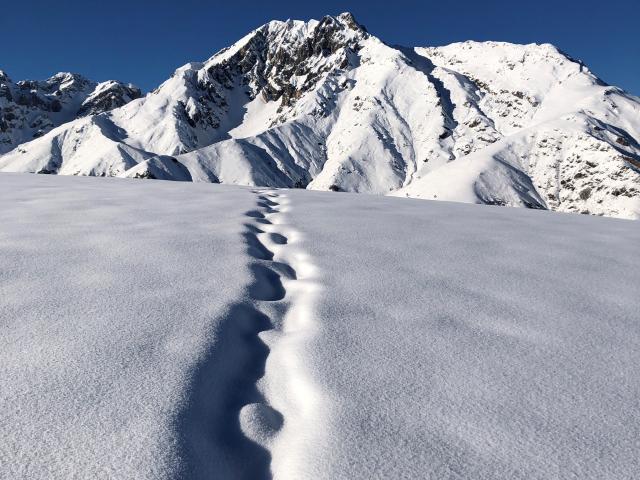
[326, 105]
[29, 109]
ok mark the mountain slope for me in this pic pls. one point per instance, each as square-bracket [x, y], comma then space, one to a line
[326, 105]
[573, 136]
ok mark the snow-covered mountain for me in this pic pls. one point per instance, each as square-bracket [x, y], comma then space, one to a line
[326, 105]
[29, 109]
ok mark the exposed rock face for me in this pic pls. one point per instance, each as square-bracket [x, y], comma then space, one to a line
[326, 105]
[278, 62]
[29, 108]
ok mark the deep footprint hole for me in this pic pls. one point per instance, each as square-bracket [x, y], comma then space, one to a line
[267, 201]
[278, 238]
[255, 248]
[252, 228]
[254, 214]
[269, 207]
[266, 284]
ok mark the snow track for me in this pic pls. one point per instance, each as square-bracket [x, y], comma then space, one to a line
[284, 289]
[259, 421]
[266, 403]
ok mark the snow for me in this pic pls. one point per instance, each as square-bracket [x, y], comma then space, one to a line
[163, 329]
[108, 306]
[32, 108]
[258, 114]
[160, 168]
[471, 342]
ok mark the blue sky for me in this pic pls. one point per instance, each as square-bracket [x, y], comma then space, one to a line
[144, 41]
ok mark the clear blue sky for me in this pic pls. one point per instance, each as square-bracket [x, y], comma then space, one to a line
[144, 41]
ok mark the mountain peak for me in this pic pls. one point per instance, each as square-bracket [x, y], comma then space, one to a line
[63, 76]
[348, 19]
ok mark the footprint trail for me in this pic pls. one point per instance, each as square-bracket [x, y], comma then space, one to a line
[283, 290]
[253, 407]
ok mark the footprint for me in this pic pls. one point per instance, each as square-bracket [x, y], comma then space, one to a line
[252, 228]
[269, 210]
[254, 214]
[255, 248]
[277, 238]
[260, 422]
[269, 207]
[266, 200]
[284, 269]
[266, 284]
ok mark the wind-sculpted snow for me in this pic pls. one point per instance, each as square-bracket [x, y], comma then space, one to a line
[326, 105]
[162, 330]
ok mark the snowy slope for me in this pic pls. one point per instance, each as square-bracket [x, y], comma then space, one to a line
[325, 105]
[162, 330]
[107, 306]
[29, 109]
[471, 342]
[574, 137]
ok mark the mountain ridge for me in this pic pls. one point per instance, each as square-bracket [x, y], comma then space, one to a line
[326, 105]
[32, 108]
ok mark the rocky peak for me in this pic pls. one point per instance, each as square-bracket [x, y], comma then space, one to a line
[280, 61]
[67, 81]
[107, 96]
[347, 18]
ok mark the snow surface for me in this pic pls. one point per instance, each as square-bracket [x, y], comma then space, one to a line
[111, 293]
[172, 330]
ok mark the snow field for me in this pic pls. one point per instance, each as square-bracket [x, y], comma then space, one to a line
[165, 330]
